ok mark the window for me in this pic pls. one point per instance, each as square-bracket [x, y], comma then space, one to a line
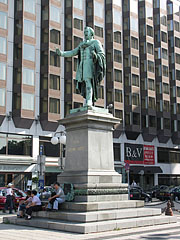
[77, 41]
[150, 31]
[135, 61]
[117, 152]
[28, 101]
[176, 26]
[117, 37]
[98, 9]
[150, 66]
[78, 24]
[135, 99]
[164, 20]
[55, 36]
[136, 118]
[29, 28]
[150, 48]
[134, 6]
[55, 14]
[30, 6]
[135, 80]
[19, 145]
[3, 20]
[117, 17]
[28, 76]
[177, 58]
[178, 74]
[29, 52]
[101, 92]
[99, 31]
[54, 82]
[2, 97]
[177, 42]
[78, 4]
[141, 12]
[178, 91]
[118, 95]
[164, 37]
[126, 24]
[149, 13]
[2, 71]
[117, 56]
[166, 106]
[134, 42]
[117, 75]
[4, 1]
[127, 119]
[165, 71]
[167, 123]
[54, 105]
[166, 88]
[164, 54]
[117, 2]
[152, 121]
[151, 84]
[49, 150]
[3, 45]
[54, 59]
[152, 103]
[119, 114]
[134, 24]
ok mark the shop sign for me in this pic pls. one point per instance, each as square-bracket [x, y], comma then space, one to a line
[139, 154]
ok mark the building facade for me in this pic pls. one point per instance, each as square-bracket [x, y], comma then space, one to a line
[37, 88]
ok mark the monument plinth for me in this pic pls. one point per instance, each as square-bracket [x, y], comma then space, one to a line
[89, 163]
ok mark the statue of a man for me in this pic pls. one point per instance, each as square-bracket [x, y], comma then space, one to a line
[91, 65]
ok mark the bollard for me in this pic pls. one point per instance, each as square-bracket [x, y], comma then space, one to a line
[169, 211]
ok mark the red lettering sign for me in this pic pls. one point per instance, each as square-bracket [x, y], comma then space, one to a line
[149, 155]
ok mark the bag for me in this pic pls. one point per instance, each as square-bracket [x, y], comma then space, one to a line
[52, 200]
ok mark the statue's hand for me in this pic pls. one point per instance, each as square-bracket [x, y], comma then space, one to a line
[58, 52]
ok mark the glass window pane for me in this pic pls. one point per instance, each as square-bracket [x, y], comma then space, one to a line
[2, 144]
[2, 97]
[117, 2]
[19, 145]
[78, 4]
[29, 52]
[2, 71]
[29, 28]
[28, 76]
[134, 6]
[3, 45]
[54, 105]
[30, 6]
[3, 20]
[4, 1]
[117, 17]
[55, 14]
[55, 36]
[28, 101]
[98, 9]
[134, 24]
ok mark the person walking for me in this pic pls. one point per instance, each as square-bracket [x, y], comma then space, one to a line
[9, 198]
[59, 197]
[35, 205]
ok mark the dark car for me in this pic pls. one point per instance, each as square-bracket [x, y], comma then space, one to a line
[166, 194]
[139, 194]
[18, 194]
[176, 194]
[158, 191]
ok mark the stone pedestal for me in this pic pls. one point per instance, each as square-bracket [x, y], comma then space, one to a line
[89, 163]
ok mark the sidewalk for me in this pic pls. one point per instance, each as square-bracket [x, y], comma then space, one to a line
[163, 232]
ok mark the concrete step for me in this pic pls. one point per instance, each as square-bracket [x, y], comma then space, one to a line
[101, 198]
[97, 206]
[91, 227]
[97, 216]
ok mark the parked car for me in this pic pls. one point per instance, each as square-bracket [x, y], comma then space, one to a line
[166, 193]
[176, 194]
[139, 194]
[159, 189]
[19, 195]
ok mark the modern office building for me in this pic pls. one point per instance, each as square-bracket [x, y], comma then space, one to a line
[37, 88]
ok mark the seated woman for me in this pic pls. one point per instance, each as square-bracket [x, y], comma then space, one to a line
[23, 204]
[35, 205]
[57, 198]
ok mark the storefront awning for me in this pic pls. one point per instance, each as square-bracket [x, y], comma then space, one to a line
[147, 170]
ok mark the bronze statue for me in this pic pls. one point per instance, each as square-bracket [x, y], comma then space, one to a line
[91, 65]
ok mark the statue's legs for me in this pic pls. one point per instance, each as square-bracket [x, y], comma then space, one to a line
[89, 92]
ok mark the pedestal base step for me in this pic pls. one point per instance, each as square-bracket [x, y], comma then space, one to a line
[97, 216]
[97, 206]
[91, 227]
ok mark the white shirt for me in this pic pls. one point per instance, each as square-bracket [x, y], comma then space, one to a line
[36, 200]
[9, 191]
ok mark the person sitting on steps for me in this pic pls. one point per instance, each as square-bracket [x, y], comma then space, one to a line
[57, 198]
[35, 206]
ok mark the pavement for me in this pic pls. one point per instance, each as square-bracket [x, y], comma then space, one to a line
[160, 232]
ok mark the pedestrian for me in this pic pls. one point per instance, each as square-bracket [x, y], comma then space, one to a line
[9, 198]
[133, 184]
[34, 206]
[23, 204]
[57, 198]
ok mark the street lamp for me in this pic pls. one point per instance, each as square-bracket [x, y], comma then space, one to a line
[62, 140]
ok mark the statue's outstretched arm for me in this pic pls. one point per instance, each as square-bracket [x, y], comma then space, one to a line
[71, 53]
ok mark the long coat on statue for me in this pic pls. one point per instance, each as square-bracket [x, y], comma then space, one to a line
[91, 65]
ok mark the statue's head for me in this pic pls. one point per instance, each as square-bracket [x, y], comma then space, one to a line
[88, 33]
